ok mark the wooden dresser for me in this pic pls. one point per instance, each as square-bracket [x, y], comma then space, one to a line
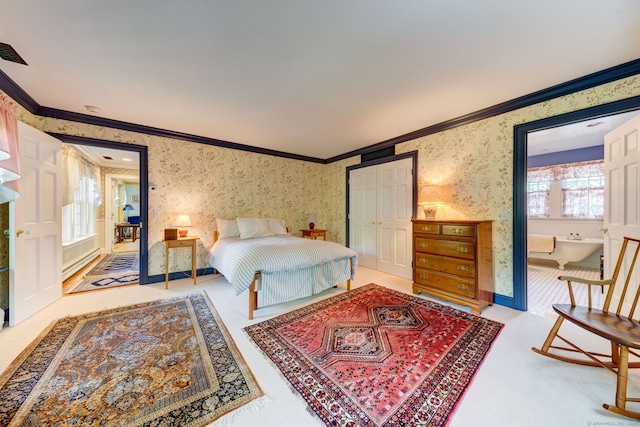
[452, 260]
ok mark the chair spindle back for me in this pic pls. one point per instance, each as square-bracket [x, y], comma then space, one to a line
[625, 253]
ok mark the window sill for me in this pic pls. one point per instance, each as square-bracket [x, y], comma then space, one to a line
[79, 240]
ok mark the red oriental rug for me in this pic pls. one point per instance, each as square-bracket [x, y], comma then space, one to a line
[377, 357]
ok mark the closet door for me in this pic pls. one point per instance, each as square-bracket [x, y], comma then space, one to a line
[380, 210]
[362, 215]
[394, 206]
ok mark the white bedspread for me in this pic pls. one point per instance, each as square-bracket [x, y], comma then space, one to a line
[291, 267]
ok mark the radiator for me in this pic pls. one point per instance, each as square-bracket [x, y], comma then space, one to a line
[71, 269]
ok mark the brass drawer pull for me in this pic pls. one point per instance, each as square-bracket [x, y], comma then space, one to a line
[462, 249]
[423, 277]
[463, 287]
[423, 245]
[424, 260]
[463, 268]
[457, 231]
[426, 228]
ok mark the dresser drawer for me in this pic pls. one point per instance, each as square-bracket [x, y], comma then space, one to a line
[459, 230]
[456, 285]
[446, 247]
[426, 228]
[179, 243]
[457, 266]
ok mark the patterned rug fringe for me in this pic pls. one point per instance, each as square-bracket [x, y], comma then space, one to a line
[290, 386]
[248, 409]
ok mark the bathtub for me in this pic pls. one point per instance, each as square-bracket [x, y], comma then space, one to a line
[570, 250]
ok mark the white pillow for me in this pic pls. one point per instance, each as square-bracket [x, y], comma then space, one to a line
[227, 228]
[277, 226]
[254, 227]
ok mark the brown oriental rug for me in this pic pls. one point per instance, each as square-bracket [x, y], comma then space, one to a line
[376, 357]
[162, 363]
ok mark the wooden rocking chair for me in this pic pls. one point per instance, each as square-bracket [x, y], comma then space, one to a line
[612, 324]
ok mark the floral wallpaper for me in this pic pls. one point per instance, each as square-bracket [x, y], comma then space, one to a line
[209, 182]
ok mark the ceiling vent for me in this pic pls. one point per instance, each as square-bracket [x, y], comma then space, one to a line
[107, 157]
[8, 53]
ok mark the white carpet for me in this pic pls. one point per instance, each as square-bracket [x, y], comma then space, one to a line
[514, 386]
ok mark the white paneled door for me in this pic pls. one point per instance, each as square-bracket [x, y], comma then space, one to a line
[380, 212]
[622, 183]
[35, 227]
[363, 215]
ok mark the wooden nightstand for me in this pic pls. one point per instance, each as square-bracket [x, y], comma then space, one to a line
[183, 242]
[314, 234]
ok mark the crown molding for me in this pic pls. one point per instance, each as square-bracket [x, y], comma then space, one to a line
[595, 79]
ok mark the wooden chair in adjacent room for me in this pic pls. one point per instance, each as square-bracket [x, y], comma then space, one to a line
[618, 324]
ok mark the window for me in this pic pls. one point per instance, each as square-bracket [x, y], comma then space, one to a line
[81, 196]
[78, 218]
[581, 186]
[538, 199]
[583, 197]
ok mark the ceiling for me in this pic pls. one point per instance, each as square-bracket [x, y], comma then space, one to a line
[110, 158]
[311, 78]
[588, 133]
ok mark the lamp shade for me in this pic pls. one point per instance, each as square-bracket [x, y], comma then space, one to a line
[432, 194]
[183, 221]
[128, 208]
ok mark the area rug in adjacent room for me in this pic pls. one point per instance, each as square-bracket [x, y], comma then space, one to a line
[116, 264]
[93, 283]
[162, 363]
[374, 356]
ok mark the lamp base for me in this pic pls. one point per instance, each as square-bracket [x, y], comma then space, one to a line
[311, 226]
[183, 233]
[430, 211]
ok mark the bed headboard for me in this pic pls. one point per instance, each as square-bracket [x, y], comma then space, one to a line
[216, 235]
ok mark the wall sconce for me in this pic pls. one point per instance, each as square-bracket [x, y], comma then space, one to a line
[431, 196]
[313, 218]
[182, 222]
[126, 209]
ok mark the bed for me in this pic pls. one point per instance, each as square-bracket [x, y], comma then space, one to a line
[274, 266]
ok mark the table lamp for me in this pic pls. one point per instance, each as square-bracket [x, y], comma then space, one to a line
[126, 209]
[313, 218]
[182, 222]
[431, 196]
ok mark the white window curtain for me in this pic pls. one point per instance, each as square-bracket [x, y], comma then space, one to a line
[81, 195]
[76, 167]
[538, 190]
[9, 153]
[582, 185]
[582, 189]
[119, 194]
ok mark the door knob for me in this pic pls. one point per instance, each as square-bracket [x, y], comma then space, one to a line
[21, 232]
[604, 230]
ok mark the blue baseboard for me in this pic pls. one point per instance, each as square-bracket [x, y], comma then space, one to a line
[502, 300]
[179, 275]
